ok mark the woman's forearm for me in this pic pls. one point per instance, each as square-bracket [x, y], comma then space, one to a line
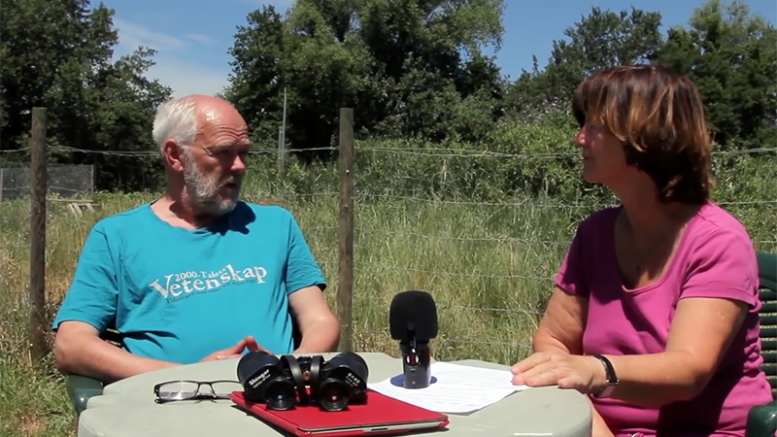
[549, 344]
[546, 343]
[654, 380]
[648, 381]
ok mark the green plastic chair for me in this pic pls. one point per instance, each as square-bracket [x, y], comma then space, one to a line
[81, 388]
[762, 419]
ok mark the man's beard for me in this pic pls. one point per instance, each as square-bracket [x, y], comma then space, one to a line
[205, 191]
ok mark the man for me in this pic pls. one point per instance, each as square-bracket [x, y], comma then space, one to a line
[197, 274]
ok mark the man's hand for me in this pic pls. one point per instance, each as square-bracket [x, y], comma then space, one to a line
[236, 351]
[583, 373]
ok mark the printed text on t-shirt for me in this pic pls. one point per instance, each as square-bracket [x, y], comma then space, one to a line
[180, 285]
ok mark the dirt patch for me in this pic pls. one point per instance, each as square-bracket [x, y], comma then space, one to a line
[30, 425]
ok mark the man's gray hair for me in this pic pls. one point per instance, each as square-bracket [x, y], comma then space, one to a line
[175, 119]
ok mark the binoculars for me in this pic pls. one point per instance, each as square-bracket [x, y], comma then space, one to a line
[285, 382]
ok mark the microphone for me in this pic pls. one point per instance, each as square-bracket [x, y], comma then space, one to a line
[413, 321]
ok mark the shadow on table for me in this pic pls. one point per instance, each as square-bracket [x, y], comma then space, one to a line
[399, 380]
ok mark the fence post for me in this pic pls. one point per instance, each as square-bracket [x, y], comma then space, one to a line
[281, 152]
[37, 328]
[345, 233]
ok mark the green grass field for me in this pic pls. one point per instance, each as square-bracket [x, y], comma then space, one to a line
[489, 266]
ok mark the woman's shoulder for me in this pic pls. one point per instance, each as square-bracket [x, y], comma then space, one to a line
[719, 258]
[713, 225]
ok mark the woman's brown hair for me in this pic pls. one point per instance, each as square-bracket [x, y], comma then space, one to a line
[659, 116]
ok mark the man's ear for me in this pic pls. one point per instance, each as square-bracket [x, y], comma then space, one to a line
[172, 153]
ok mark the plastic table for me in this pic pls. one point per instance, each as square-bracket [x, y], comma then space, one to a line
[127, 408]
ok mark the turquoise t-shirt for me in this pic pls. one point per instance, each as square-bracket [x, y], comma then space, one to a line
[179, 295]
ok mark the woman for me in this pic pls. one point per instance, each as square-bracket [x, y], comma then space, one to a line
[655, 310]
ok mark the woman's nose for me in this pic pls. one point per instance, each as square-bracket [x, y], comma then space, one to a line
[580, 138]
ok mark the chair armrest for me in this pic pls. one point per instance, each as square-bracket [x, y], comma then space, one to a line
[80, 389]
[762, 420]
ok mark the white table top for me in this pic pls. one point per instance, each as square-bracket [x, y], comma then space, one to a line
[127, 408]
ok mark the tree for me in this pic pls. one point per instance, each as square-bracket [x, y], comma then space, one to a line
[600, 40]
[58, 54]
[411, 68]
[732, 57]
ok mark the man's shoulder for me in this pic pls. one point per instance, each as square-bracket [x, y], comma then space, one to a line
[264, 212]
[123, 219]
[266, 207]
[113, 231]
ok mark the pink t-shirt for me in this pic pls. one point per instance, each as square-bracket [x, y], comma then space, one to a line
[715, 258]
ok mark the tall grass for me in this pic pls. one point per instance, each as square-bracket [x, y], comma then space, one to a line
[484, 235]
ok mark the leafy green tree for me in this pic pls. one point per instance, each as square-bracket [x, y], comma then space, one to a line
[411, 68]
[58, 54]
[600, 40]
[732, 56]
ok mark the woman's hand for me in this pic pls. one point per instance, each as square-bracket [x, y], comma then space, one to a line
[583, 373]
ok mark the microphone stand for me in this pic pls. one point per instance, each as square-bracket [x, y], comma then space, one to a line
[416, 359]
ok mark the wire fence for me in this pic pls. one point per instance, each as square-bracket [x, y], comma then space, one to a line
[489, 263]
[64, 182]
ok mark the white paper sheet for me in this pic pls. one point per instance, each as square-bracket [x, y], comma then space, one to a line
[455, 389]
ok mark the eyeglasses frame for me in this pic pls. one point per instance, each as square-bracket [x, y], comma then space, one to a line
[197, 395]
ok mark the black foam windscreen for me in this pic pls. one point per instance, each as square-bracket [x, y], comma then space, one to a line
[413, 314]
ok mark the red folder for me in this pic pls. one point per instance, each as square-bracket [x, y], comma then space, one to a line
[380, 416]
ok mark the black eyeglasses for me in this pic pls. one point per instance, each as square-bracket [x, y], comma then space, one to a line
[185, 390]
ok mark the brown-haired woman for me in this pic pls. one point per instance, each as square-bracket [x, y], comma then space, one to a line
[655, 310]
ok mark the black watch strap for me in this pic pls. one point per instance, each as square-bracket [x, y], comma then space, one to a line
[610, 375]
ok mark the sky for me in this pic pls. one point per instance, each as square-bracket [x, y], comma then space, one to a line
[192, 37]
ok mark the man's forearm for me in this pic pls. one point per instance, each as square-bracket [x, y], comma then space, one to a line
[91, 356]
[320, 337]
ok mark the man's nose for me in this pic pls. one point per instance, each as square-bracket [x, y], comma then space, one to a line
[239, 164]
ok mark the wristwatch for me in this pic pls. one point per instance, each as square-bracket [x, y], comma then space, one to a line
[612, 378]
